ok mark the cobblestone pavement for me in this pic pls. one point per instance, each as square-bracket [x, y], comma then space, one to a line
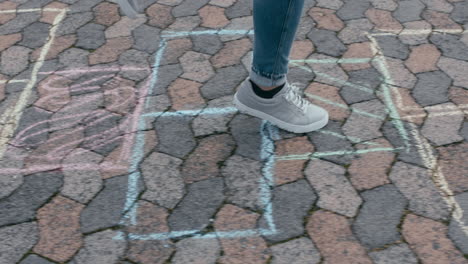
[120, 144]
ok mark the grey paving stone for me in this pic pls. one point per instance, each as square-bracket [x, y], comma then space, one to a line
[146, 38]
[16, 241]
[451, 45]
[206, 124]
[74, 21]
[105, 210]
[188, 8]
[365, 127]
[326, 42]
[327, 73]
[208, 44]
[442, 130]
[35, 35]
[329, 143]
[334, 190]
[246, 132]
[392, 47]
[399, 75]
[164, 183]
[101, 247]
[397, 254]
[242, 178]
[102, 130]
[408, 10]
[14, 60]
[464, 130]
[32, 128]
[458, 222]
[137, 59]
[355, 31]
[91, 36]
[416, 185]
[193, 250]
[74, 57]
[12, 159]
[297, 251]
[290, 204]
[18, 23]
[304, 27]
[239, 9]
[35, 259]
[199, 205]
[378, 219]
[364, 83]
[36, 190]
[455, 69]
[353, 9]
[299, 77]
[174, 135]
[431, 88]
[330, 4]
[83, 5]
[460, 12]
[166, 75]
[224, 82]
[34, 4]
[389, 5]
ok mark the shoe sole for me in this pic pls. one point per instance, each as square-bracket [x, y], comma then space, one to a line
[281, 124]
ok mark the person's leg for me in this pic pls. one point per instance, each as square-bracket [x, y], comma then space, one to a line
[275, 26]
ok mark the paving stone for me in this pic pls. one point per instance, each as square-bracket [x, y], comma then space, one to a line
[438, 5]
[119, 93]
[208, 44]
[329, 143]
[429, 241]
[59, 44]
[22, 204]
[458, 95]
[193, 250]
[74, 57]
[335, 191]
[415, 39]
[32, 128]
[334, 239]
[124, 27]
[100, 247]
[91, 36]
[213, 17]
[106, 13]
[81, 185]
[16, 241]
[19, 22]
[416, 185]
[105, 210]
[361, 85]
[464, 130]
[175, 135]
[137, 59]
[102, 132]
[306, 24]
[159, 15]
[150, 251]
[35, 259]
[431, 88]
[454, 69]
[14, 60]
[353, 9]
[326, 42]
[384, 4]
[423, 58]
[327, 73]
[440, 20]
[74, 21]
[175, 49]
[222, 3]
[291, 170]
[12, 159]
[242, 178]
[164, 183]
[355, 31]
[333, 4]
[300, 50]
[225, 82]
[231, 53]
[451, 164]
[110, 51]
[357, 50]
[246, 132]
[399, 253]
[298, 78]
[399, 75]
[458, 222]
[199, 205]
[326, 19]
[188, 8]
[391, 46]
[364, 127]
[186, 23]
[459, 13]
[290, 204]
[239, 9]
[9, 40]
[166, 75]
[451, 46]
[35, 35]
[206, 123]
[408, 10]
[59, 226]
[196, 66]
[377, 221]
[383, 20]
[146, 38]
[300, 251]
[441, 130]
[7, 5]
[331, 94]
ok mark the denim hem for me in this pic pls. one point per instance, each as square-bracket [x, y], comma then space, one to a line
[266, 79]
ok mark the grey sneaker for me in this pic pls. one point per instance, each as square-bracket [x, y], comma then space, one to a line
[129, 7]
[287, 109]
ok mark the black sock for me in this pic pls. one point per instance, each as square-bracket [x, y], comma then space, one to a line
[265, 94]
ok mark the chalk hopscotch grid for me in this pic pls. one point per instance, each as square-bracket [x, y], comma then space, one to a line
[268, 133]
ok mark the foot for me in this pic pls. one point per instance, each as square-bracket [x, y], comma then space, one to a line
[287, 109]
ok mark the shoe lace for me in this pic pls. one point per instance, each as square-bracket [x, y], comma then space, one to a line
[295, 97]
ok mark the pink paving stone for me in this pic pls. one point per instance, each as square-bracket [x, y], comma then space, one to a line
[59, 225]
[160, 15]
[48, 16]
[428, 239]
[53, 93]
[196, 66]
[383, 20]
[185, 95]
[333, 237]
[120, 95]
[399, 74]
[110, 51]
[124, 27]
[458, 95]
[240, 250]
[213, 17]
[440, 20]
[329, 93]
[369, 170]
[202, 163]
[60, 44]
[106, 13]
[326, 18]
[7, 5]
[301, 49]
[7, 41]
[231, 53]
[291, 170]
[407, 107]
[452, 161]
[357, 50]
[175, 49]
[423, 58]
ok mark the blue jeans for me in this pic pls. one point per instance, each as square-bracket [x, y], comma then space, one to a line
[275, 25]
